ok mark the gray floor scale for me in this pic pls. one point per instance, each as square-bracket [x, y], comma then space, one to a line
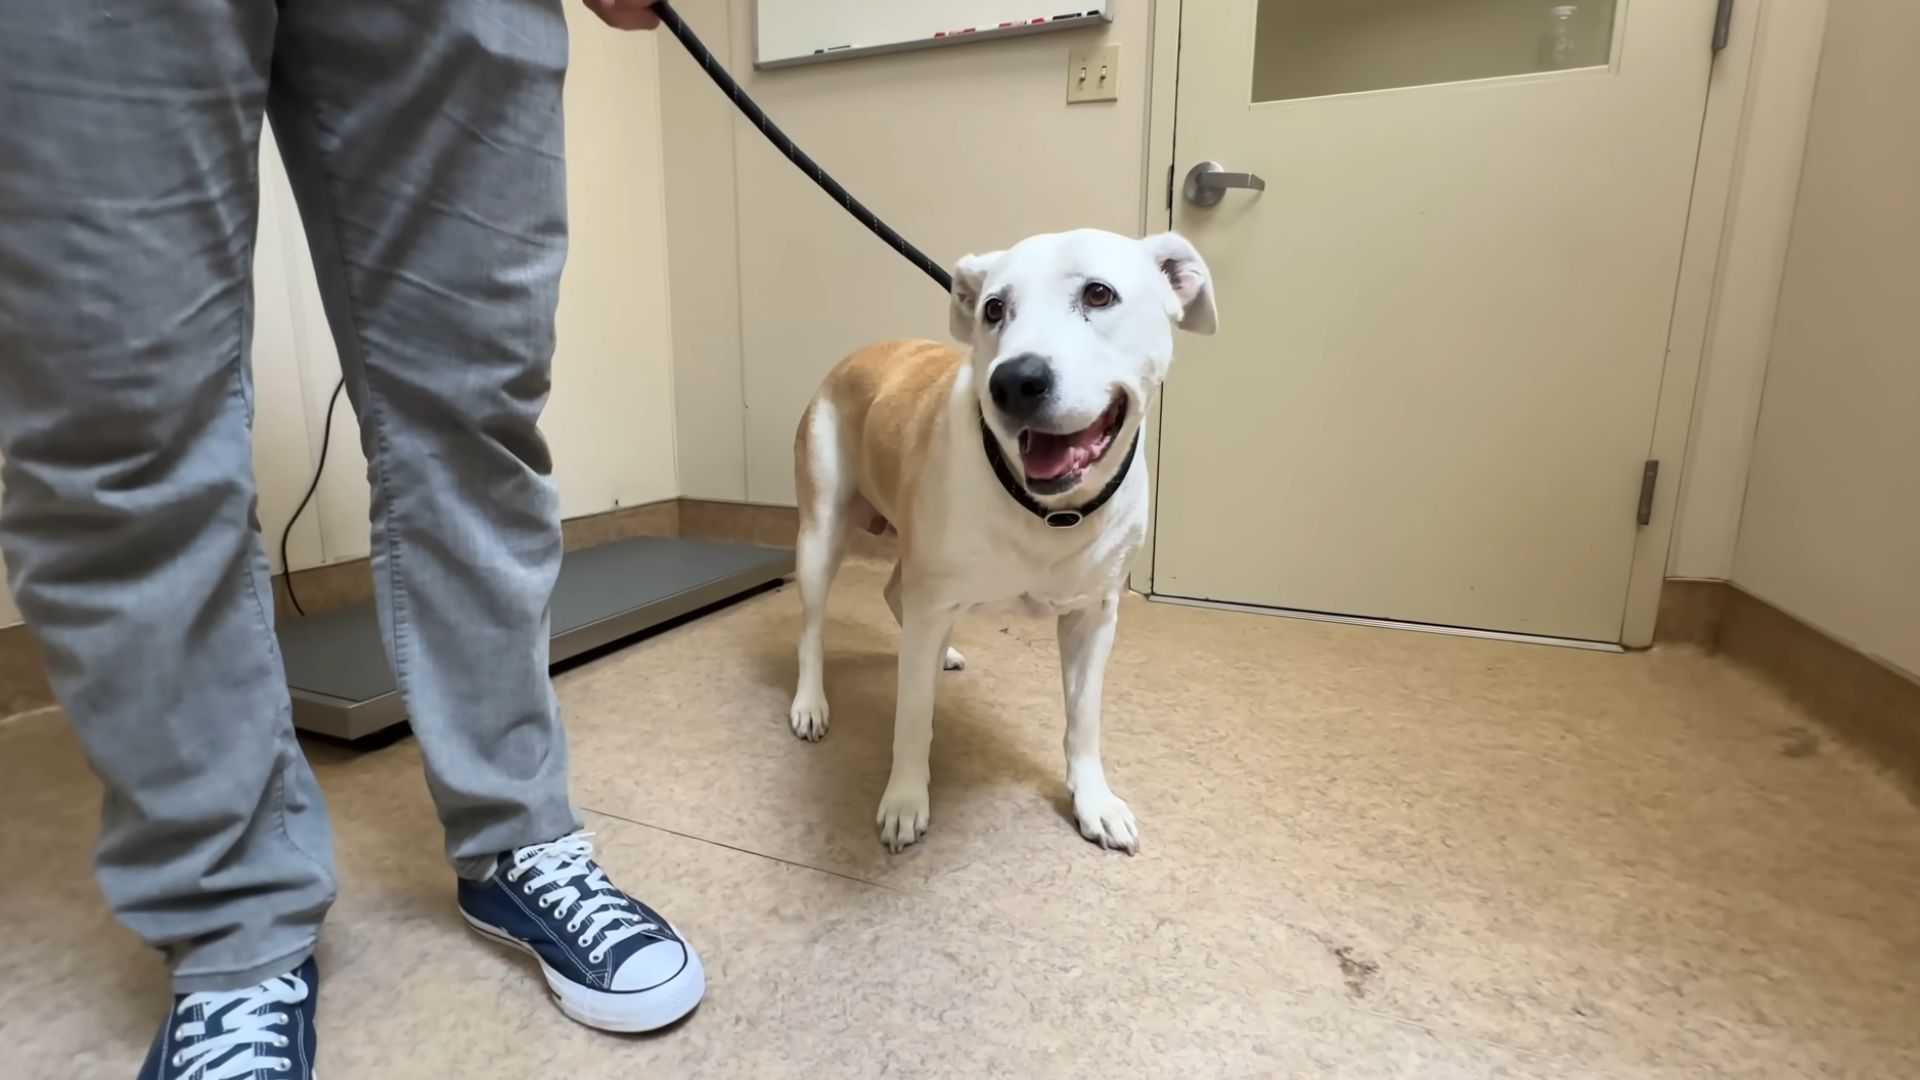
[337, 666]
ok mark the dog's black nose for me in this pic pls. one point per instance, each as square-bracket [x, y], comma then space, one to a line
[1019, 386]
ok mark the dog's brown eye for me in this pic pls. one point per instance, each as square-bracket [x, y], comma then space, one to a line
[1097, 294]
[993, 310]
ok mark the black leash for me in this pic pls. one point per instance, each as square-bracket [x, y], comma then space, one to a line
[751, 110]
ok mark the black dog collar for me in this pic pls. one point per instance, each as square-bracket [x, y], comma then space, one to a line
[1058, 519]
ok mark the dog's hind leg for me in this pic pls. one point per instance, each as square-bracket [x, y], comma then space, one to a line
[951, 659]
[828, 491]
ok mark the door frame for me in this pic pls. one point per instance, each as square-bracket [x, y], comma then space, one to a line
[1727, 91]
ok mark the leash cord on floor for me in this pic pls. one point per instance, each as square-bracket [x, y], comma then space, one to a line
[781, 141]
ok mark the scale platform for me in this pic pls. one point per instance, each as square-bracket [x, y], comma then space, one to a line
[337, 665]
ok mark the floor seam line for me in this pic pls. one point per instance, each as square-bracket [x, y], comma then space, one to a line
[749, 851]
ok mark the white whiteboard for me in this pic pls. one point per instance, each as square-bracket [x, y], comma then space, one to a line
[802, 31]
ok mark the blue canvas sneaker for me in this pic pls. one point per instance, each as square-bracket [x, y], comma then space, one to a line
[264, 1032]
[611, 962]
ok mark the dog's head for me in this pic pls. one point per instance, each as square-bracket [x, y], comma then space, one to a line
[1072, 333]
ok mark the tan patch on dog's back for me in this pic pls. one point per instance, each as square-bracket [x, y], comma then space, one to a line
[888, 399]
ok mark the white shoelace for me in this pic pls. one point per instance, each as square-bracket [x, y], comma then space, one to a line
[244, 1028]
[602, 915]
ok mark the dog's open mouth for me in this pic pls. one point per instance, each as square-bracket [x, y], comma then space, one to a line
[1055, 461]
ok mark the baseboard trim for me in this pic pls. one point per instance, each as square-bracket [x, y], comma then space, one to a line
[1867, 704]
[1389, 624]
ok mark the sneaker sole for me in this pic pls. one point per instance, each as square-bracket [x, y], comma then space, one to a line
[625, 1014]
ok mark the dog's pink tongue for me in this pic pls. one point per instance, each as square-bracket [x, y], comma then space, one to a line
[1049, 457]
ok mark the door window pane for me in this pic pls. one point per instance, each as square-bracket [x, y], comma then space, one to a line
[1309, 48]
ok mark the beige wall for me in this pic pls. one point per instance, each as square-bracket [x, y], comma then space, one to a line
[763, 269]
[611, 418]
[961, 149]
[1752, 256]
[703, 244]
[1831, 529]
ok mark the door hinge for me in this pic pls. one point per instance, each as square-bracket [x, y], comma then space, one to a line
[1722, 24]
[1169, 187]
[1648, 477]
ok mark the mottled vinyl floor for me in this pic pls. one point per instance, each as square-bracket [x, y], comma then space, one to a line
[1367, 853]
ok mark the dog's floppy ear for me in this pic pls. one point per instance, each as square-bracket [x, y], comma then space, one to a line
[969, 275]
[1192, 285]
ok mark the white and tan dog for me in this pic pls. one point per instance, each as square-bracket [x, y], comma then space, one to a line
[1015, 476]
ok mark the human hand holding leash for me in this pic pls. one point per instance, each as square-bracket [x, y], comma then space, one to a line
[625, 14]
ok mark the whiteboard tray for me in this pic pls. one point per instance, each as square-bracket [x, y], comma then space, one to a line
[1073, 15]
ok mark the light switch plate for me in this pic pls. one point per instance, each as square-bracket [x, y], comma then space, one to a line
[1093, 73]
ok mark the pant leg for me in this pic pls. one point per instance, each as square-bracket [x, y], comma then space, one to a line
[128, 143]
[424, 143]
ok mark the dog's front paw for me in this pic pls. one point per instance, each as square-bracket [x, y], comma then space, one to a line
[808, 717]
[1105, 819]
[903, 816]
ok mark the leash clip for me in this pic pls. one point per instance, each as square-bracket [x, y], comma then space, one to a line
[1064, 519]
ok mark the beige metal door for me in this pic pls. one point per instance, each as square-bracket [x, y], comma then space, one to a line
[1445, 316]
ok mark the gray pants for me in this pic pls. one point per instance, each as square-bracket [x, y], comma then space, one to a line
[423, 138]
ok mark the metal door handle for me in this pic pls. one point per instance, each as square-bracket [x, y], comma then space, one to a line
[1207, 183]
